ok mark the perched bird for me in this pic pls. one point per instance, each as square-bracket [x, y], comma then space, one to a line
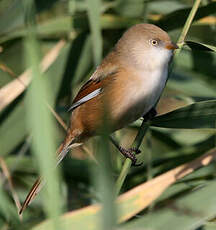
[127, 85]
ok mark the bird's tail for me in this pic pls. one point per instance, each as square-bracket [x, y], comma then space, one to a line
[39, 183]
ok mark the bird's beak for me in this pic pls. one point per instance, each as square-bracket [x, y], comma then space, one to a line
[171, 46]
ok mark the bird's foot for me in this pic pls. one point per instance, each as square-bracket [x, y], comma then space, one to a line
[130, 153]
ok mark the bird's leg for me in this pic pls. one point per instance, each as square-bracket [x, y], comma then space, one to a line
[128, 153]
[150, 115]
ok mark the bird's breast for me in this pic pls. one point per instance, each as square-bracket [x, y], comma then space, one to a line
[137, 94]
[152, 84]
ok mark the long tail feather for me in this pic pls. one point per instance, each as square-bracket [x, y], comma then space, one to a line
[40, 182]
[33, 192]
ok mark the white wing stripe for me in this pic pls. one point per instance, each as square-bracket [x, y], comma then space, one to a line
[86, 98]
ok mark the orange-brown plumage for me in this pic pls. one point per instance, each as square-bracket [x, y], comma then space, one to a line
[126, 85]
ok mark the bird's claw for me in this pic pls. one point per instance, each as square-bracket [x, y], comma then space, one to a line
[135, 150]
[129, 153]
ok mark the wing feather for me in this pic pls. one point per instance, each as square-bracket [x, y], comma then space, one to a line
[93, 87]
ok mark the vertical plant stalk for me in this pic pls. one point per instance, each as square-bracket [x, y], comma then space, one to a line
[71, 11]
[187, 24]
[94, 12]
[39, 119]
[144, 127]
[102, 175]
[127, 164]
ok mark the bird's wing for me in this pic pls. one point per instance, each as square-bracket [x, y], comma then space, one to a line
[93, 87]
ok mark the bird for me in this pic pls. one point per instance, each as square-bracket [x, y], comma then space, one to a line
[124, 87]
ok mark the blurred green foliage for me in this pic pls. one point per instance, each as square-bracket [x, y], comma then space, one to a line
[90, 29]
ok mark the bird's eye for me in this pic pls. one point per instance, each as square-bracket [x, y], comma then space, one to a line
[154, 42]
